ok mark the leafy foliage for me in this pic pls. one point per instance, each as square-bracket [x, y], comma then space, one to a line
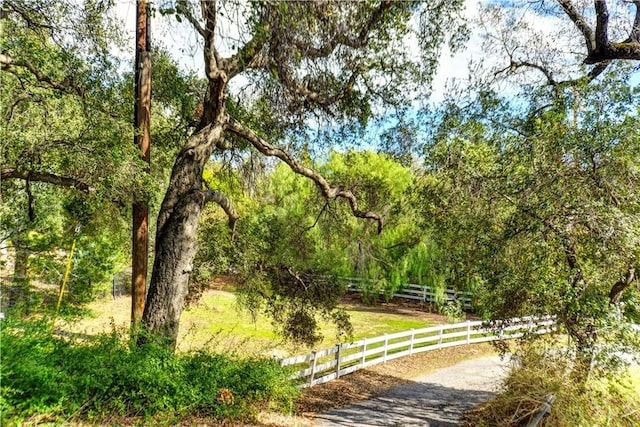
[537, 203]
[291, 245]
[103, 377]
[67, 155]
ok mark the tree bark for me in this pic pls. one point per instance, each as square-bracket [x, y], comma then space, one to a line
[142, 119]
[177, 232]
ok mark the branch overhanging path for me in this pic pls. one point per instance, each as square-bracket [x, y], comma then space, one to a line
[327, 190]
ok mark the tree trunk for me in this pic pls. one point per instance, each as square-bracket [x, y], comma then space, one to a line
[19, 292]
[142, 119]
[585, 353]
[176, 237]
[176, 248]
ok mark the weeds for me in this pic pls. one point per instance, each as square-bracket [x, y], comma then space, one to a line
[604, 401]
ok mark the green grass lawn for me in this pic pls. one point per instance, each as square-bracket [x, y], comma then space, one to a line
[218, 322]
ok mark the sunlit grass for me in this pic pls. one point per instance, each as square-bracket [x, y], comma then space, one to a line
[634, 375]
[218, 318]
[218, 322]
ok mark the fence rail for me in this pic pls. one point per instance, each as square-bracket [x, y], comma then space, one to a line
[325, 365]
[415, 292]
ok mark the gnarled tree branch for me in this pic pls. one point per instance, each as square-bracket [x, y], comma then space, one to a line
[551, 81]
[327, 191]
[599, 48]
[580, 22]
[223, 201]
[7, 63]
[62, 181]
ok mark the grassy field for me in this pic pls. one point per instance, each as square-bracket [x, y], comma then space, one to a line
[218, 322]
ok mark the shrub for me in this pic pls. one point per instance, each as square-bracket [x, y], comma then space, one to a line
[102, 377]
[604, 401]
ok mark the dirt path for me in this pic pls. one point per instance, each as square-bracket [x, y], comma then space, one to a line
[437, 399]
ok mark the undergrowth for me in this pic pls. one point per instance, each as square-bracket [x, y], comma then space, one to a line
[607, 400]
[105, 377]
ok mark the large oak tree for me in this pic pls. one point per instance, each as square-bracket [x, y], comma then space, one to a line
[313, 65]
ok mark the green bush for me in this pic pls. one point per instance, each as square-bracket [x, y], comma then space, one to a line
[103, 376]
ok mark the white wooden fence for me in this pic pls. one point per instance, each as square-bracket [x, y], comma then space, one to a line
[415, 292]
[325, 365]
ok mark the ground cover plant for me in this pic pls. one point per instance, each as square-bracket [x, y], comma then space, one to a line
[101, 378]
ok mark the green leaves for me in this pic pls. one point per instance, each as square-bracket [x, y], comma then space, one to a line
[101, 377]
[546, 212]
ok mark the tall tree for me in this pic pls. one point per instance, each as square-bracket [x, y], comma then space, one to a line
[313, 64]
[545, 197]
[53, 150]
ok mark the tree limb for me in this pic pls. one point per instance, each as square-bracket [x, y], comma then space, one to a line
[280, 47]
[248, 55]
[599, 48]
[357, 42]
[327, 191]
[183, 7]
[551, 81]
[213, 62]
[226, 205]
[7, 63]
[581, 24]
[62, 181]
[618, 288]
[26, 15]
[602, 23]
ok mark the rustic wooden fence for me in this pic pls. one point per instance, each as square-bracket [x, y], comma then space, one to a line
[325, 365]
[414, 292]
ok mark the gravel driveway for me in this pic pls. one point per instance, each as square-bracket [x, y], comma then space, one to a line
[436, 400]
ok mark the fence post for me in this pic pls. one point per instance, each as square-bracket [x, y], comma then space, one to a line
[424, 294]
[338, 355]
[544, 410]
[364, 351]
[440, 335]
[413, 333]
[468, 331]
[313, 363]
[386, 342]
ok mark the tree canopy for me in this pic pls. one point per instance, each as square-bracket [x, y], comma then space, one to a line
[534, 165]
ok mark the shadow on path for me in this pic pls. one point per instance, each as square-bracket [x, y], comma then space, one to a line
[436, 400]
